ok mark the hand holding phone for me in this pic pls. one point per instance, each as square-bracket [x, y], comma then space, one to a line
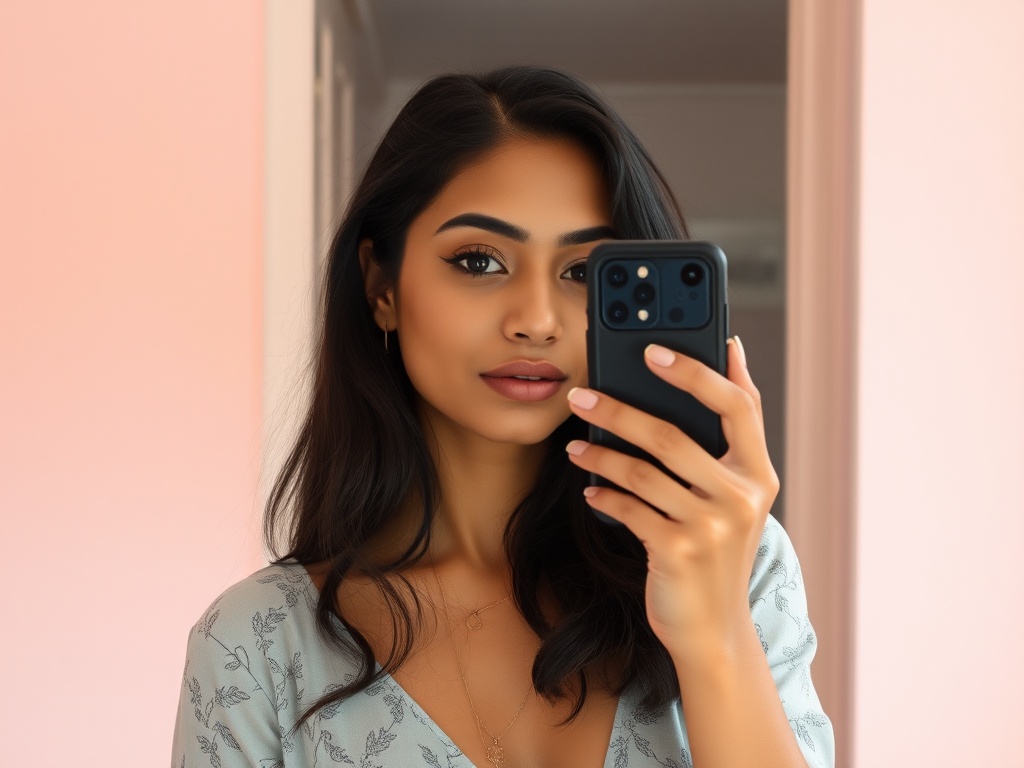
[670, 293]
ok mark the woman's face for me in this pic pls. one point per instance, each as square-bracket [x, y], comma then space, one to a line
[491, 297]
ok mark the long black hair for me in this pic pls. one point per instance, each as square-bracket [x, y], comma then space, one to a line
[361, 454]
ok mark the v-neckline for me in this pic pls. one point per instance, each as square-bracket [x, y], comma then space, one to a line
[425, 718]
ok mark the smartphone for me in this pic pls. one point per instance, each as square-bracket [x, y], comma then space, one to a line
[666, 292]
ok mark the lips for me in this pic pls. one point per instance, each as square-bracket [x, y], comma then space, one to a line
[525, 380]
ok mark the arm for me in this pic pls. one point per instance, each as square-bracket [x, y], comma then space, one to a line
[703, 539]
[759, 693]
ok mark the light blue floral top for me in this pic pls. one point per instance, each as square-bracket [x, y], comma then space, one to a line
[255, 661]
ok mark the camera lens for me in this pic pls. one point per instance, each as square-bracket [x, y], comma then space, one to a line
[644, 294]
[692, 274]
[617, 276]
[618, 312]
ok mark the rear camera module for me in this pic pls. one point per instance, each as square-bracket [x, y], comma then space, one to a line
[692, 274]
[644, 294]
[618, 312]
[617, 276]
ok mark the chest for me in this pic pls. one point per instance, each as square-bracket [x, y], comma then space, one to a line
[471, 675]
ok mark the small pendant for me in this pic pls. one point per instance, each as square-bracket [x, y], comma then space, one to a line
[473, 621]
[496, 755]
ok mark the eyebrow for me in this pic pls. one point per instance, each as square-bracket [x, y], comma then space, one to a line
[520, 235]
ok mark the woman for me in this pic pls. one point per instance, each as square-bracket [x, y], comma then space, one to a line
[447, 596]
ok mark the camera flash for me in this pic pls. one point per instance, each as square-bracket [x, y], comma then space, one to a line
[642, 314]
[642, 272]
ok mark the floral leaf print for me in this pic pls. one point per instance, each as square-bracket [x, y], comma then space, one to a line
[684, 755]
[643, 745]
[236, 659]
[326, 713]
[429, 757]
[197, 696]
[209, 709]
[226, 735]
[336, 753]
[804, 734]
[762, 550]
[206, 624]
[264, 626]
[781, 602]
[777, 567]
[376, 689]
[816, 719]
[286, 739]
[793, 654]
[291, 593]
[210, 748]
[294, 670]
[230, 697]
[800, 726]
[394, 703]
[377, 743]
[621, 748]
[647, 716]
[760, 636]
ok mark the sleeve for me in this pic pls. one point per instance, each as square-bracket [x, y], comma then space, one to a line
[778, 606]
[227, 716]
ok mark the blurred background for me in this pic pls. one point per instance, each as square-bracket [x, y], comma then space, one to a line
[170, 172]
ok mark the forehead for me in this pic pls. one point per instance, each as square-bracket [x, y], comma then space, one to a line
[545, 185]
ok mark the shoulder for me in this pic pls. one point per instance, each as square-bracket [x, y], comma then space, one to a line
[274, 606]
[270, 595]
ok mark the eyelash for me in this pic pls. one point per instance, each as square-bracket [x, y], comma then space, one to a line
[478, 252]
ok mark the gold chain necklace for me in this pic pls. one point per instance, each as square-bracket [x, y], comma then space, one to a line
[495, 752]
[473, 620]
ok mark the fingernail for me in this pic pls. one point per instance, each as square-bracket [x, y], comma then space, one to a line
[577, 447]
[590, 491]
[743, 353]
[660, 355]
[582, 398]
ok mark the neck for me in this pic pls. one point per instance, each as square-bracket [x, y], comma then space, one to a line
[481, 484]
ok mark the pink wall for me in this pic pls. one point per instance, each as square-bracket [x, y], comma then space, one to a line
[940, 504]
[131, 157]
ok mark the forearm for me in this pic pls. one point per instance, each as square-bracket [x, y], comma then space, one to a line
[732, 710]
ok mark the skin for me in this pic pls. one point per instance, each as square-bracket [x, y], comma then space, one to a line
[453, 326]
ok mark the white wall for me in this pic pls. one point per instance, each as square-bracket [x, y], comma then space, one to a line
[938, 667]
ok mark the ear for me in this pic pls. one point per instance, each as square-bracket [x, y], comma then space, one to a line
[380, 293]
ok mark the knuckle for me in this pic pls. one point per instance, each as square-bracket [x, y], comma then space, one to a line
[639, 474]
[744, 402]
[755, 398]
[667, 437]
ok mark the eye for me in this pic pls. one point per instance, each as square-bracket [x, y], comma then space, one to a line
[476, 261]
[576, 272]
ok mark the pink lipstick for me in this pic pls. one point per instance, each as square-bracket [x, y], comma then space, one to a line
[527, 381]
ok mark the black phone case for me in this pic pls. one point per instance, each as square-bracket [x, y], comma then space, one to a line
[615, 356]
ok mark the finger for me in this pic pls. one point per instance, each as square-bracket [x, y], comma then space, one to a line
[676, 450]
[741, 418]
[639, 477]
[739, 374]
[645, 523]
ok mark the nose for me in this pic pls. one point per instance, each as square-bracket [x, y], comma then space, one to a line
[533, 314]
